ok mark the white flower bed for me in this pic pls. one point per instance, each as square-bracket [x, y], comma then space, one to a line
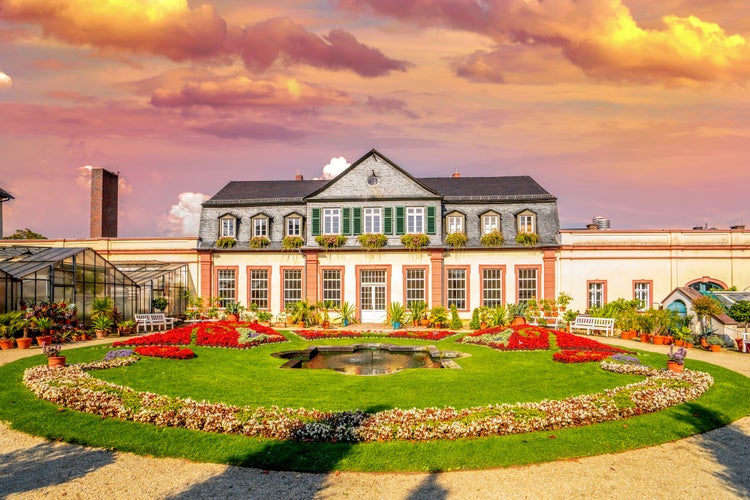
[73, 388]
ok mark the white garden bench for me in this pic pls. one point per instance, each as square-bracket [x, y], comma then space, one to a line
[151, 321]
[591, 324]
[555, 322]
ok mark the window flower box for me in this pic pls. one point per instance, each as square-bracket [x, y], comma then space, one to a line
[292, 242]
[456, 240]
[527, 239]
[226, 242]
[259, 242]
[492, 239]
[331, 240]
[415, 241]
[372, 241]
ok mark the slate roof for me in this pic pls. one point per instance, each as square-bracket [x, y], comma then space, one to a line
[4, 195]
[451, 188]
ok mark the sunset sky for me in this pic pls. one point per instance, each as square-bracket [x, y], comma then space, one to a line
[634, 110]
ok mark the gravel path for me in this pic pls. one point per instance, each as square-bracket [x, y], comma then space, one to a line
[713, 465]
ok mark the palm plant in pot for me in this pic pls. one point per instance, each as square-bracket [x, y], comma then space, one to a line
[325, 306]
[439, 316]
[395, 312]
[43, 325]
[10, 322]
[101, 326]
[233, 310]
[347, 313]
[416, 311]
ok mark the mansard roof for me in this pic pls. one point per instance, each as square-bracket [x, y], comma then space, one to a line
[264, 192]
[520, 187]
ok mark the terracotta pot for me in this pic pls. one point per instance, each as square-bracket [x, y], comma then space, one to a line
[483, 325]
[658, 339]
[326, 325]
[425, 322]
[644, 337]
[233, 317]
[6, 344]
[673, 366]
[43, 339]
[518, 320]
[740, 344]
[101, 334]
[689, 345]
[679, 343]
[300, 324]
[715, 348]
[24, 342]
[56, 361]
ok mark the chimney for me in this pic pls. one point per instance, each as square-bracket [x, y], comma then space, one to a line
[738, 227]
[4, 196]
[592, 227]
[456, 174]
[298, 176]
[103, 203]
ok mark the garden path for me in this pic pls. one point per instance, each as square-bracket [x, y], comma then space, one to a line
[712, 465]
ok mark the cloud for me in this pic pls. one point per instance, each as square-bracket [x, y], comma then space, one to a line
[242, 129]
[389, 104]
[334, 167]
[241, 91]
[83, 176]
[599, 36]
[173, 29]
[184, 218]
[5, 81]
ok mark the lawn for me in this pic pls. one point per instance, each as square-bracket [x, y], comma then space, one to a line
[252, 377]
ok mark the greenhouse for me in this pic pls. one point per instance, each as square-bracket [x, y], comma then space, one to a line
[32, 275]
[159, 279]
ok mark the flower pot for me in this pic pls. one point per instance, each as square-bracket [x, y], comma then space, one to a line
[396, 325]
[644, 337]
[658, 339]
[43, 339]
[679, 343]
[101, 334]
[344, 322]
[300, 324]
[6, 344]
[482, 325]
[326, 325]
[56, 361]
[715, 348]
[740, 344]
[425, 322]
[233, 317]
[674, 366]
[24, 342]
[518, 320]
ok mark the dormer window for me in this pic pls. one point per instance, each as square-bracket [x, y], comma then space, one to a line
[228, 227]
[293, 226]
[490, 222]
[260, 226]
[526, 222]
[455, 223]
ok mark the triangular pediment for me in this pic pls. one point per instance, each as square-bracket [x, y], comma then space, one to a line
[373, 177]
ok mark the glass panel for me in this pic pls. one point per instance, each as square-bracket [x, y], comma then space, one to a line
[457, 288]
[292, 286]
[226, 286]
[259, 288]
[492, 287]
[415, 286]
[332, 286]
[526, 285]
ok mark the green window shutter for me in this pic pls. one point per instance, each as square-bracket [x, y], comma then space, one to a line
[387, 220]
[430, 220]
[357, 220]
[346, 221]
[315, 221]
[400, 220]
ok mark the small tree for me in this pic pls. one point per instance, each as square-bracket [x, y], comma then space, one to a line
[25, 234]
[456, 323]
[474, 323]
[705, 307]
[740, 312]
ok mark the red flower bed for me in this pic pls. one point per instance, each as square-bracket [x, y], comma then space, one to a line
[580, 356]
[349, 334]
[165, 351]
[210, 333]
[511, 338]
[176, 336]
[422, 334]
[569, 341]
[328, 334]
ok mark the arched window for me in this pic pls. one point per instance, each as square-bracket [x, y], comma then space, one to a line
[679, 307]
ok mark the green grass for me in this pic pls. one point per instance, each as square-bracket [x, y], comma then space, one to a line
[253, 377]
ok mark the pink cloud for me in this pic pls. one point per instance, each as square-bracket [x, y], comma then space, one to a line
[179, 32]
[389, 104]
[243, 129]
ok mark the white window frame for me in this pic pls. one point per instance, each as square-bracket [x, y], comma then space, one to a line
[331, 221]
[332, 284]
[595, 294]
[294, 226]
[456, 284]
[455, 224]
[415, 220]
[259, 292]
[492, 287]
[416, 285]
[260, 226]
[490, 223]
[226, 286]
[228, 227]
[642, 293]
[526, 277]
[373, 218]
[292, 292]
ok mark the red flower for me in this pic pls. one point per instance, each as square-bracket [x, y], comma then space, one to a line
[170, 352]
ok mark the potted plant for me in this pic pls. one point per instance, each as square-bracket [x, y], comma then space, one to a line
[102, 306]
[438, 316]
[563, 300]
[25, 341]
[233, 310]
[102, 325]
[226, 242]
[301, 313]
[327, 241]
[715, 343]
[500, 315]
[292, 242]
[417, 310]
[415, 241]
[395, 312]
[126, 327]
[456, 240]
[474, 324]
[570, 316]
[676, 359]
[493, 239]
[265, 317]
[43, 325]
[9, 323]
[372, 241]
[347, 311]
[259, 242]
[159, 303]
[527, 239]
[324, 306]
[54, 359]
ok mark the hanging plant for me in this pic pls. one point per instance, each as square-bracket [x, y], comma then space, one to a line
[226, 242]
[527, 239]
[415, 241]
[259, 242]
[372, 241]
[456, 240]
[331, 240]
[492, 239]
[292, 242]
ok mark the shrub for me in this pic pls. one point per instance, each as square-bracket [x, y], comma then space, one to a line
[456, 323]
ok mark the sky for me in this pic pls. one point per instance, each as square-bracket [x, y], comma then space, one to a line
[634, 110]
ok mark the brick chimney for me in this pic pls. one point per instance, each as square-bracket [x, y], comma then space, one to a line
[456, 175]
[298, 176]
[103, 203]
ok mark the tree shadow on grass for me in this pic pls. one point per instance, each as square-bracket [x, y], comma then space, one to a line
[728, 445]
[47, 464]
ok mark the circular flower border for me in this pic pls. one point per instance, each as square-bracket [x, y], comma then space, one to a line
[74, 388]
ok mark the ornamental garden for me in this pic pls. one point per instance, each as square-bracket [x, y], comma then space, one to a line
[213, 392]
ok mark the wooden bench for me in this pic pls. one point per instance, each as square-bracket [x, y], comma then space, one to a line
[152, 321]
[591, 324]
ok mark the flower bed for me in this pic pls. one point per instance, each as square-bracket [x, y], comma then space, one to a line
[236, 334]
[511, 338]
[165, 351]
[72, 387]
[580, 356]
[400, 334]
[176, 336]
[569, 341]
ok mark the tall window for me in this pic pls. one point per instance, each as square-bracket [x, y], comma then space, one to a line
[415, 286]
[527, 284]
[415, 219]
[332, 286]
[259, 288]
[596, 294]
[642, 293]
[490, 222]
[294, 226]
[373, 220]
[455, 224]
[492, 287]
[331, 221]
[292, 286]
[226, 286]
[260, 226]
[228, 227]
[457, 288]
[527, 223]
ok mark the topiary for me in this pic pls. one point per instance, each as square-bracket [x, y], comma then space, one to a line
[456, 323]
